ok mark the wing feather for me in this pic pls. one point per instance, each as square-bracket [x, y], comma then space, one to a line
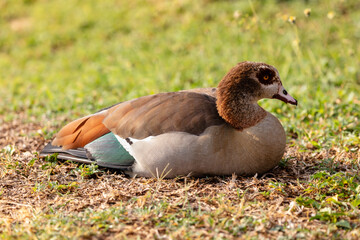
[185, 111]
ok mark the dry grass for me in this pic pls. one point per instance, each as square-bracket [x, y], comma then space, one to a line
[45, 198]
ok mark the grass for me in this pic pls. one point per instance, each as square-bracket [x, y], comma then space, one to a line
[60, 61]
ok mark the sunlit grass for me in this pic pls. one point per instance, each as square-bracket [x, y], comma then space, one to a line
[93, 54]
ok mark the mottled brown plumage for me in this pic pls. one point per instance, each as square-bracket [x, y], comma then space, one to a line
[200, 131]
[190, 112]
[165, 112]
[236, 94]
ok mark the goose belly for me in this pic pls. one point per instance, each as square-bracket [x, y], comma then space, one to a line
[220, 150]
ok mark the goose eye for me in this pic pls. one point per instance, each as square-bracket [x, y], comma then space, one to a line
[266, 77]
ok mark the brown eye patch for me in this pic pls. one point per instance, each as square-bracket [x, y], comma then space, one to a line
[266, 76]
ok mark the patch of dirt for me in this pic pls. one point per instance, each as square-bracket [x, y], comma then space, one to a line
[20, 24]
[25, 136]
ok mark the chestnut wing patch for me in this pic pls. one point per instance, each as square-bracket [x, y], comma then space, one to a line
[161, 113]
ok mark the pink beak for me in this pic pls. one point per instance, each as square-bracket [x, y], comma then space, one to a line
[284, 96]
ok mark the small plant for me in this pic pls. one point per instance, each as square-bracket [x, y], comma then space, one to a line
[63, 188]
[87, 171]
[51, 161]
[9, 151]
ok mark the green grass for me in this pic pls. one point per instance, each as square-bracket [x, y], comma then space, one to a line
[72, 59]
[60, 60]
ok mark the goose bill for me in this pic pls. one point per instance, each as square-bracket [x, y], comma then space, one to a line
[284, 96]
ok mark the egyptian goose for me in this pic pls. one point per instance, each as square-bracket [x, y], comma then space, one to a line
[212, 131]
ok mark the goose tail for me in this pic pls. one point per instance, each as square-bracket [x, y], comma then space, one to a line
[77, 155]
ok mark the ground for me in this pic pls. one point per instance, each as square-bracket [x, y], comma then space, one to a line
[92, 54]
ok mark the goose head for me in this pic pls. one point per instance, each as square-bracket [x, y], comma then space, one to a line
[271, 85]
[241, 88]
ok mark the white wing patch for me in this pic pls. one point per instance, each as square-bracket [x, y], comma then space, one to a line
[128, 142]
